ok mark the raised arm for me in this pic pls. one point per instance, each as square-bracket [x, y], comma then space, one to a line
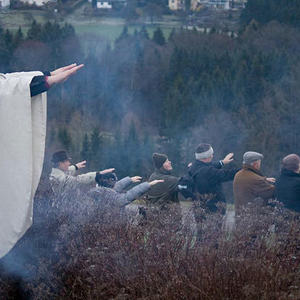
[42, 83]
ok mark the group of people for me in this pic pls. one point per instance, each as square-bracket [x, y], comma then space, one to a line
[23, 103]
[203, 180]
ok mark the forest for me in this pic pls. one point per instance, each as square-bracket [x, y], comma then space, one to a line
[142, 94]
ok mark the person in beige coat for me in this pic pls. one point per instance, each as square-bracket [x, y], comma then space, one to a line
[63, 174]
[64, 180]
[249, 183]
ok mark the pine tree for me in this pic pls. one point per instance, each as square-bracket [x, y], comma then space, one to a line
[65, 138]
[158, 37]
[123, 36]
[35, 31]
[144, 33]
[85, 150]
[95, 145]
[18, 38]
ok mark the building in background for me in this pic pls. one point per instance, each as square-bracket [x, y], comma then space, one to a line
[112, 4]
[104, 4]
[196, 5]
[4, 3]
[37, 2]
[176, 4]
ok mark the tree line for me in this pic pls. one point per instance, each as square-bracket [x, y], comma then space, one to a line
[164, 94]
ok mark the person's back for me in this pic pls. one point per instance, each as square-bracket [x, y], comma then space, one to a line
[249, 183]
[208, 176]
[288, 183]
[165, 192]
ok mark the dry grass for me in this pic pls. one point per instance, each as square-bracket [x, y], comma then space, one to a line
[81, 249]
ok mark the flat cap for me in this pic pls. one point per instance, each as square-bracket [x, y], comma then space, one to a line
[251, 156]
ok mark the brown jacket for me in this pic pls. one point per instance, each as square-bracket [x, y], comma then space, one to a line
[249, 184]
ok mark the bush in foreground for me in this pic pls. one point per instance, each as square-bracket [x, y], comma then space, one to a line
[82, 249]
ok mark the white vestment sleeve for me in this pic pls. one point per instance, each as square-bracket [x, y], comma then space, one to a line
[22, 144]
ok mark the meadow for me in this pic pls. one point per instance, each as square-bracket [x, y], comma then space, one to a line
[108, 28]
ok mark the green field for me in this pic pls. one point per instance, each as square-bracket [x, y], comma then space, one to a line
[105, 27]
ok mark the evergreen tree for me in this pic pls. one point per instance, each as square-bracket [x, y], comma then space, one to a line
[132, 148]
[95, 148]
[158, 37]
[35, 31]
[65, 138]
[123, 36]
[144, 33]
[85, 149]
[18, 38]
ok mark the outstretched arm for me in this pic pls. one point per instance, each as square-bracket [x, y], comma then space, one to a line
[41, 84]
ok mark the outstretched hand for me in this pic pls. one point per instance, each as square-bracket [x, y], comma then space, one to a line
[81, 164]
[62, 74]
[136, 179]
[228, 158]
[107, 171]
[63, 69]
[271, 179]
[154, 182]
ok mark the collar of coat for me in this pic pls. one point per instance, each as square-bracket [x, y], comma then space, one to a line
[163, 171]
[250, 168]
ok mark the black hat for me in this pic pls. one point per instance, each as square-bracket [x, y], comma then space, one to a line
[159, 159]
[106, 180]
[60, 156]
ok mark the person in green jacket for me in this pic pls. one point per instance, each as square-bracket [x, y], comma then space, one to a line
[163, 193]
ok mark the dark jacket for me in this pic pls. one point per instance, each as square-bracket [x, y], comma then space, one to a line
[208, 178]
[164, 192]
[250, 184]
[288, 189]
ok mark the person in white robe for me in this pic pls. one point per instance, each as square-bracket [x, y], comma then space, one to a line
[22, 145]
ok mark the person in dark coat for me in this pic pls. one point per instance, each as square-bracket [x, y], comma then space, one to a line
[208, 176]
[165, 192]
[288, 183]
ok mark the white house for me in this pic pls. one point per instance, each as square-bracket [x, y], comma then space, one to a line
[221, 4]
[104, 5]
[177, 4]
[36, 2]
[4, 3]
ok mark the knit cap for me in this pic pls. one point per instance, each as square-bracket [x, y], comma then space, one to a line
[159, 159]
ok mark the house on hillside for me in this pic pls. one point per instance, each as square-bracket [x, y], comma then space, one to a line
[218, 4]
[238, 4]
[104, 4]
[4, 3]
[177, 4]
[112, 4]
[37, 2]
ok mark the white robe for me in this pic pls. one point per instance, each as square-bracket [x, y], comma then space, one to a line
[22, 145]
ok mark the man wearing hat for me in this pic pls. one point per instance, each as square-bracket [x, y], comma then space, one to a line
[164, 192]
[208, 176]
[64, 173]
[249, 183]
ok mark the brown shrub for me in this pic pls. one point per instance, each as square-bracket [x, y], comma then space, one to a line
[81, 249]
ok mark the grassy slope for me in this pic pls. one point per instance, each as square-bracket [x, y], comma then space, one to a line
[109, 28]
